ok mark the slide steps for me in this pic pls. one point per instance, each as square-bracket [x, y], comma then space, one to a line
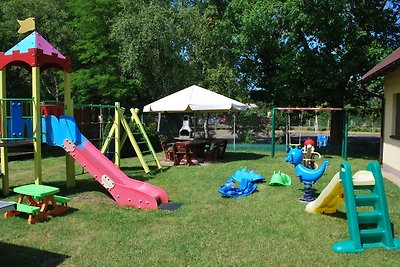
[370, 228]
[366, 200]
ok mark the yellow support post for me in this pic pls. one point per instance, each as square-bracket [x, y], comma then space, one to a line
[37, 134]
[117, 122]
[135, 116]
[108, 139]
[4, 150]
[135, 145]
[135, 120]
[69, 110]
[115, 132]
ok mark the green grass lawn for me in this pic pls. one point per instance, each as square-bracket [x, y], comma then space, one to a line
[267, 228]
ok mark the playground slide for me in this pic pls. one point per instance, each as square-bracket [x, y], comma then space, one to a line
[126, 191]
[332, 195]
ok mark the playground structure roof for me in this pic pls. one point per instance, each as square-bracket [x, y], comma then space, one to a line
[34, 40]
[35, 51]
[389, 64]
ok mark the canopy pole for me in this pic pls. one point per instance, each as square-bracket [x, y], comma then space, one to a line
[205, 126]
[159, 122]
[234, 132]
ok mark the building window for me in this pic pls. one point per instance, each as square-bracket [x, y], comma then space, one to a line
[397, 116]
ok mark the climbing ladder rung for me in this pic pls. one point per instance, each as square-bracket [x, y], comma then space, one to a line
[366, 200]
[368, 217]
[141, 142]
[363, 187]
[374, 235]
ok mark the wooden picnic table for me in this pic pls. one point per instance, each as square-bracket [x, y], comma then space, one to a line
[41, 202]
[198, 150]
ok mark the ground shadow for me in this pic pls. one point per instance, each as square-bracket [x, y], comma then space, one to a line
[15, 255]
[337, 214]
[24, 216]
[357, 147]
[140, 174]
[236, 156]
[88, 185]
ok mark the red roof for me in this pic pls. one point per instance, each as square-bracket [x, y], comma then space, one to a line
[389, 64]
[35, 51]
[35, 58]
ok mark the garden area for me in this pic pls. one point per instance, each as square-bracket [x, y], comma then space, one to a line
[119, 58]
[269, 227]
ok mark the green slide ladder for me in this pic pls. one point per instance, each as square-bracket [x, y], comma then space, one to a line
[368, 227]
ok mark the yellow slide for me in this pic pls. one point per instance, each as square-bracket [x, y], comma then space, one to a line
[332, 195]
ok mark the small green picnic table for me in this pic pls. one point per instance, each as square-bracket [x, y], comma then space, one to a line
[41, 202]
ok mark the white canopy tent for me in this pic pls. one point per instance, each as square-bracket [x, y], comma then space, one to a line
[195, 99]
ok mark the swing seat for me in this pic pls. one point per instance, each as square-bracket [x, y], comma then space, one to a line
[294, 145]
[322, 140]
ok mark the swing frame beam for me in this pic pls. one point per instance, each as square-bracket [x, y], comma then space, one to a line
[345, 125]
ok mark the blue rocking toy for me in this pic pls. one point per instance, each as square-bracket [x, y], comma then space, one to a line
[229, 189]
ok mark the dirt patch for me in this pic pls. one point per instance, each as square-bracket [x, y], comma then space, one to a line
[93, 197]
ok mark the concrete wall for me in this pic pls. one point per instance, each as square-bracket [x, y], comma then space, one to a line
[391, 146]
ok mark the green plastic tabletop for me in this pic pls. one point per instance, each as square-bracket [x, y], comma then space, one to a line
[36, 190]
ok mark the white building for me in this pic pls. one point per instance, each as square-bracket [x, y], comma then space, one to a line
[390, 69]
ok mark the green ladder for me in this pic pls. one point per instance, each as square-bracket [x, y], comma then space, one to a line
[379, 232]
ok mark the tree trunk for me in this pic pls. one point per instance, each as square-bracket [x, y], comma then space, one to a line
[336, 133]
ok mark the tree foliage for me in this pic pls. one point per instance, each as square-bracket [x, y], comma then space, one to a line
[97, 77]
[287, 53]
[306, 52]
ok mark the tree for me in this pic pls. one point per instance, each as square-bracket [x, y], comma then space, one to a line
[97, 74]
[168, 45]
[146, 33]
[205, 51]
[308, 52]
